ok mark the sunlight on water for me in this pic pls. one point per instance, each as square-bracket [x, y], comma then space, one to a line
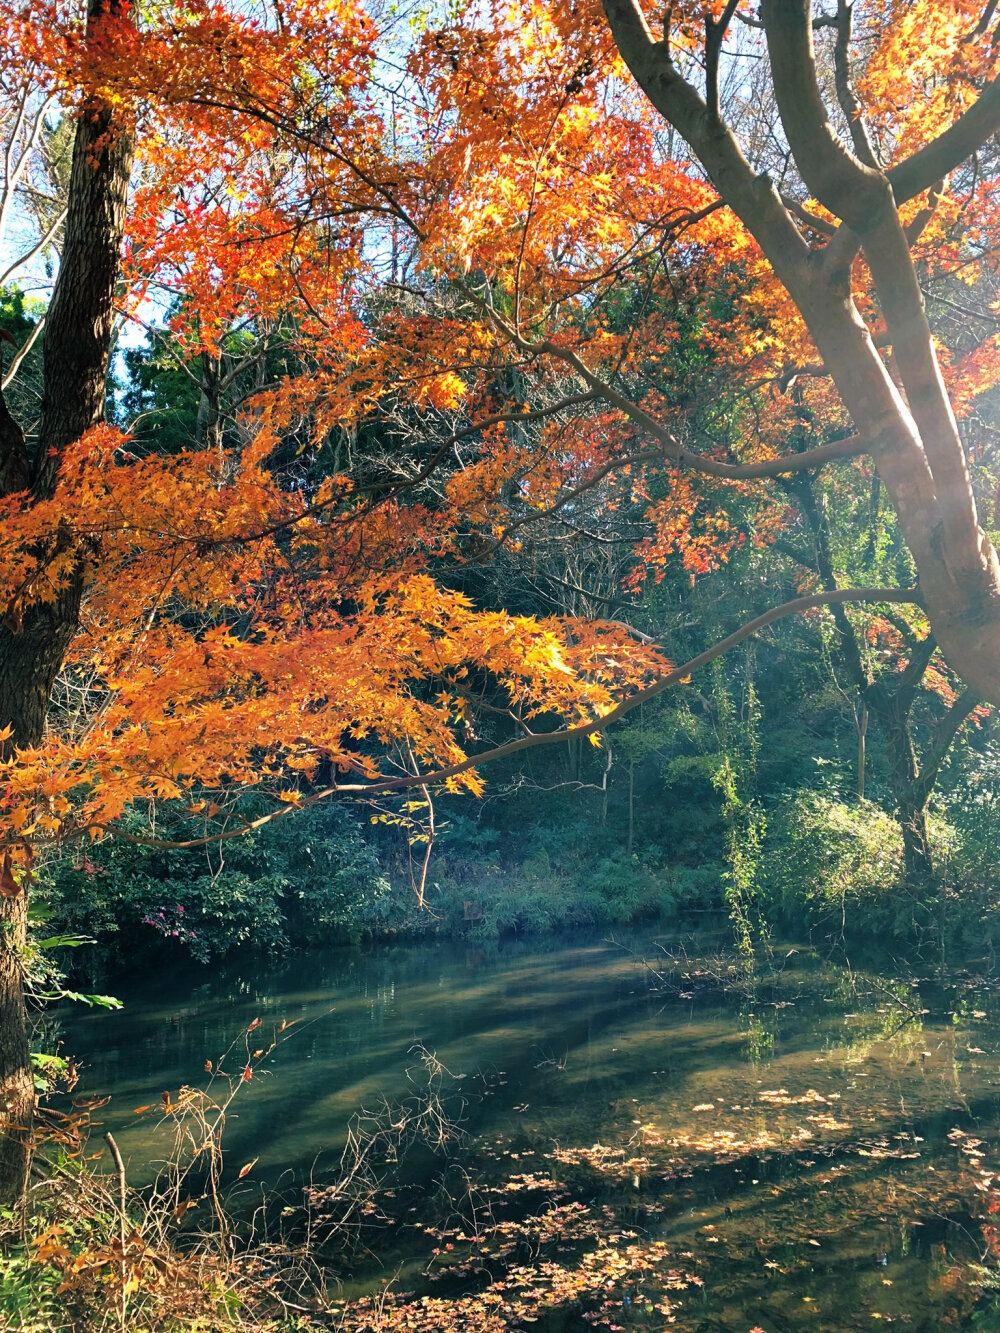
[817, 1148]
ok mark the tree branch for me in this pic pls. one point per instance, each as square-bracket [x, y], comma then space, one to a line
[715, 35]
[752, 198]
[22, 352]
[850, 447]
[944, 733]
[850, 189]
[678, 676]
[950, 149]
[904, 685]
[984, 22]
[846, 96]
[811, 220]
[850, 649]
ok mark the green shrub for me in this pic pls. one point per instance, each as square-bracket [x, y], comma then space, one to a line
[538, 897]
[698, 888]
[300, 881]
[826, 861]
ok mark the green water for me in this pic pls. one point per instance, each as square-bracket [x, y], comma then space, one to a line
[817, 1148]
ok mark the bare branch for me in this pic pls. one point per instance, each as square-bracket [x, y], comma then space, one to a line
[950, 149]
[671, 446]
[985, 19]
[821, 21]
[944, 733]
[45, 239]
[752, 198]
[849, 188]
[914, 228]
[715, 34]
[846, 95]
[812, 220]
[474, 428]
[904, 684]
[22, 352]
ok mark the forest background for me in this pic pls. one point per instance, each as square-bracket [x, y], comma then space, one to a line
[809, 778]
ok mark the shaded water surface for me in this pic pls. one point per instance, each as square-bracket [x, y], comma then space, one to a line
[815, 1149]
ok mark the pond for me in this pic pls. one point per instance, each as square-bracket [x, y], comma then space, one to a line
[678, 1144]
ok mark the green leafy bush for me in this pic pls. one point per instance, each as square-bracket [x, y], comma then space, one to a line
[300, 881]
[826, 861]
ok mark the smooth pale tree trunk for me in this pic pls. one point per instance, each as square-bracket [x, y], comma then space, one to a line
[34, 638]
[908, 427]
[901, 413]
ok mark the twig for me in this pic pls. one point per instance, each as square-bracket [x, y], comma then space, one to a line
[120, 1169]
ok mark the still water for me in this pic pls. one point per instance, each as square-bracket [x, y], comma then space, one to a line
[814, 1148]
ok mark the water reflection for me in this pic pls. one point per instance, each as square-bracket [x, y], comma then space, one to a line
[817, 1141]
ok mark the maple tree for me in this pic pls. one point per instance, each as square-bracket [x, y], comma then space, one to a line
[217, 620]
[500, 258]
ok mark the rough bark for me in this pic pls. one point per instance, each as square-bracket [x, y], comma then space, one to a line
[17, 1091]
[34, 637]
[210, 422]
[15, 469]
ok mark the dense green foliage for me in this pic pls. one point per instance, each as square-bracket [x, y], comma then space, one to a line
[307, 881]
[740, 802]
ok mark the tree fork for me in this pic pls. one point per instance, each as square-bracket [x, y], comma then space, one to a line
[925, 477]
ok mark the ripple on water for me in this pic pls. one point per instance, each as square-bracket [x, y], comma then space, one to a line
[814, 1149]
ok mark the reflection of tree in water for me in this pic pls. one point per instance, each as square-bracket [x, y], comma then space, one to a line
[785, 1143]
[758, 1041]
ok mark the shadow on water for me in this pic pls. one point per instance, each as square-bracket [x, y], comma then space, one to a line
[816, 1150]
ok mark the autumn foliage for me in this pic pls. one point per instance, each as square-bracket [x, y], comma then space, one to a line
[488, 271]
[242, 625]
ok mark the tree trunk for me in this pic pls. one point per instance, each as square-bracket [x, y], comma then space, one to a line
[210, 421]
[918, 865]
[34, 636]
[17, 1089]
[911, 435]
